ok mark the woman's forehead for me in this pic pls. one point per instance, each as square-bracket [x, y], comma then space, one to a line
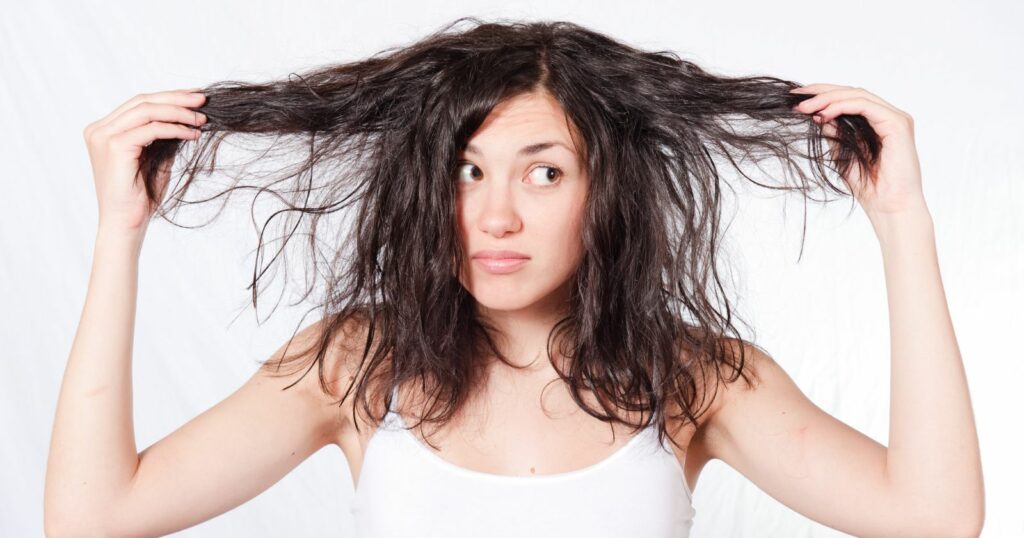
[525, 123]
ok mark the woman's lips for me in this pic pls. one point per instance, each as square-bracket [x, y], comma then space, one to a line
[501, 266]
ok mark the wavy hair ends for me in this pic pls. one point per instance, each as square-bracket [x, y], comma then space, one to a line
[651, 326]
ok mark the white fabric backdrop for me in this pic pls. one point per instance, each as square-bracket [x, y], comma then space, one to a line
[825, 320]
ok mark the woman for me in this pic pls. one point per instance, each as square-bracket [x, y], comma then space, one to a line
[533, 263]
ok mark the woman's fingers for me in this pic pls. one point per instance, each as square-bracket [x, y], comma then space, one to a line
[146, 112]
[820, 87]
[142, 136]
[823, 100]
[840, 100]
[827, 94]
[181, 98]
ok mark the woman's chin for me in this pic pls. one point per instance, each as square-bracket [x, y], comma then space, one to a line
[503, 302]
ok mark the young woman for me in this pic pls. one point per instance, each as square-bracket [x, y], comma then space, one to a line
[533, 263]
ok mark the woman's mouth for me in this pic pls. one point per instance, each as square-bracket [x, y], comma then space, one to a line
[501, 266]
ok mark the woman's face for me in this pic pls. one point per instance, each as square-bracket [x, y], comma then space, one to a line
[521, 187]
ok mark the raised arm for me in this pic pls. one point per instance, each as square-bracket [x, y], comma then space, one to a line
[928, 481]
[97, 484]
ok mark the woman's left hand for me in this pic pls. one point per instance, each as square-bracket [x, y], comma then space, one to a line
[895, 186]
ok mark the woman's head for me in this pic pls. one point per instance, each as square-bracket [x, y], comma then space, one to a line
[624, 246]
[521, 186]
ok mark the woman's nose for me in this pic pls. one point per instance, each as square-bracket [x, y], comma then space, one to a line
[499, 215]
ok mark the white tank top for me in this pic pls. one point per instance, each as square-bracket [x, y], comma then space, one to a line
[405, 489]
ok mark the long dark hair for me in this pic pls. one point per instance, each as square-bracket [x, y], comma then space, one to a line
[650, 321]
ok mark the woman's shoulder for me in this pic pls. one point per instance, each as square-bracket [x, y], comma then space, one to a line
[742, 369]
[328, 384]
[717, 381]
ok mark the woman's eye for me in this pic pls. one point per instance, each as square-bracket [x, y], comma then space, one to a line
[548, 173]
[467, 166]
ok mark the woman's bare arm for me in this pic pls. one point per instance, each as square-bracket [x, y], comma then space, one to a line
[928, 480]
[224, 457]
[92, 447]
[97, 484]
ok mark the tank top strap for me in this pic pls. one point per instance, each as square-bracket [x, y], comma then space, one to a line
[391, 417]
[394, 399]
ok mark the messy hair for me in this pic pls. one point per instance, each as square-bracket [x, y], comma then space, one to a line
[649, 321]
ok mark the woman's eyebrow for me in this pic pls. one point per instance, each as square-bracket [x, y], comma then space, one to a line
[531, 149]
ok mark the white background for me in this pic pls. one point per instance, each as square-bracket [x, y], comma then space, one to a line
[954, 67]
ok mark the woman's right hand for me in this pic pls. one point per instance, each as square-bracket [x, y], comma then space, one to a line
[116, 141]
